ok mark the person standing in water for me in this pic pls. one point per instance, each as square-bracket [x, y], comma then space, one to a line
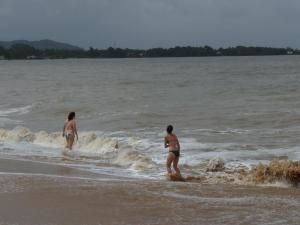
[70, 130]
[171, 142]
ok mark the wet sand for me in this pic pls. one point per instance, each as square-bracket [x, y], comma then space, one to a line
[29, 198]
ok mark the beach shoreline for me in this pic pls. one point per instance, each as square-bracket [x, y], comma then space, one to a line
[36, 193]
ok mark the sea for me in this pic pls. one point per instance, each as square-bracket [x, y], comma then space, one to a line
[242, 110]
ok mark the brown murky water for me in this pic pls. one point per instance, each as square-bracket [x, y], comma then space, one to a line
[32, 199]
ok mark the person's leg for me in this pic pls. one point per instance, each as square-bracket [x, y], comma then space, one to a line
[175, 165]
[169, 162]
[67, 143]
[71, 141]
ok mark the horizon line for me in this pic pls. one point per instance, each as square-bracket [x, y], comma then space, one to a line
[147, 48]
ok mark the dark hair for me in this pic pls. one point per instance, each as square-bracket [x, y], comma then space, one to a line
[169, 129]
[71, 116]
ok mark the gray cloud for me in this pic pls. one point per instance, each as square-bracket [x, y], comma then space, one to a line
[153, 23]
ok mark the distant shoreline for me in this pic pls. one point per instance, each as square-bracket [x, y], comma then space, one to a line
[158, 57]
[26, 51]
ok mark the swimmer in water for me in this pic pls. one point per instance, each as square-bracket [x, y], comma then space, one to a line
[70, 130]
[171, 142]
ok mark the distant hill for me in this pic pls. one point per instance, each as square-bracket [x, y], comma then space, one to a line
[42, 44]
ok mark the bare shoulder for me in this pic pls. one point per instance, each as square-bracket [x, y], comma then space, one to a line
[74, 123]
[176, 138]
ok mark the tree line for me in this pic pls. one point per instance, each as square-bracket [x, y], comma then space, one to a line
[22, 51]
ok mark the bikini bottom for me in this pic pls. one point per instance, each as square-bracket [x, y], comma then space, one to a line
[176, 153]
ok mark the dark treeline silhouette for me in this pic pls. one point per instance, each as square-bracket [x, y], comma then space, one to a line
[22, 51]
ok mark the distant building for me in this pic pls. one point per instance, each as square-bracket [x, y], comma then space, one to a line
[290, 52]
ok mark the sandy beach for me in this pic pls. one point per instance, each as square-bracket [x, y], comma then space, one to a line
[38, 193]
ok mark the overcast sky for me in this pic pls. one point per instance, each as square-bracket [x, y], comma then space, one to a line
[153, 23]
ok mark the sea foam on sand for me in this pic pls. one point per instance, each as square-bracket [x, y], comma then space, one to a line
[280, 173]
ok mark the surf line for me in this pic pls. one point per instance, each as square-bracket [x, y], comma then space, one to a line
[61, 176]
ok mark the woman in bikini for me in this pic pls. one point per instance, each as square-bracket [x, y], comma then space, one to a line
[171, 142]
[70, 130]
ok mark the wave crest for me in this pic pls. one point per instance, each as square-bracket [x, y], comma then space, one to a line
[118, 152]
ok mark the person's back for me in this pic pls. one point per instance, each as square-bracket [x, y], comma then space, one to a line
[172, 141]
[70, 130]
[70, 127]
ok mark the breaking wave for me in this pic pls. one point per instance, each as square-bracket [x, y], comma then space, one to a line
[110, 150]
[201, 164]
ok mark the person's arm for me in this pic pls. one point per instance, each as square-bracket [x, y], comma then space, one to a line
[75, 130]
[166, 142]
[178, 145]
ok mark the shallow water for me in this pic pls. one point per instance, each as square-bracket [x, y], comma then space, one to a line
[71, 200]
[241, 109]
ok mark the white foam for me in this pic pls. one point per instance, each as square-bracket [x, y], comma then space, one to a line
[141, 153]
[280, 184]
[5, 121]
[18, 111]
[227, 131]
[133, 159]
[115, 151]
[4, 113]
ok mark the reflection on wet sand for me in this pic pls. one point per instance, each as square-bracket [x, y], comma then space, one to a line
[54, 200]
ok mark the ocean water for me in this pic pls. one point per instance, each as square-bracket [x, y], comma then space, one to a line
[244, 110]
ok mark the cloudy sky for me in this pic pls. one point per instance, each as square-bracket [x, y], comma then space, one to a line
[153, 23]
